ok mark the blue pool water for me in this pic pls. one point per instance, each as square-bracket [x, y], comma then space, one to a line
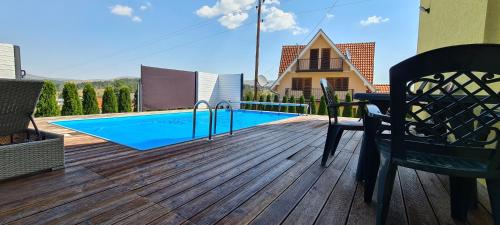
[151, 131]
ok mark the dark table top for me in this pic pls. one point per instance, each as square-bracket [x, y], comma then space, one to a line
[372, 96]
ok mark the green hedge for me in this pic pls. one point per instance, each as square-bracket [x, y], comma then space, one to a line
[124, 101]
[284, 108]
[47, 103]
[347, 110]
[322, 106]
[312, 105]
[109, 102]
[72, 104]
[89, 103]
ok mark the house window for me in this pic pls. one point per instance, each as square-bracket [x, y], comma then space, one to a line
[325, 59]
[313, 59]
[339, 83]
[300, 84]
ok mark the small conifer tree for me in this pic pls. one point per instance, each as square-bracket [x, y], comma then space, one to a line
[261, 99]
[124, 102]
[302, 109]
[276, 100]
[284, 108]
[89, 102]
[312, 104]
[268, 99]
[322, 107]
[47, 103]
[72, 104]
[292, 109]
[109, 102]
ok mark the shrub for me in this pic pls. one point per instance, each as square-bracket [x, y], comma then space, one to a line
[276, 100]
[89, 103]
[47, 103]
[268, 99]
[312, 104]
[72, 104]
[109, 102]
[302, 109]
[336, 99]
[284, 108]
[124, 102]
[261, 99]
[292, 109]
[247, 106]
[347, 111]
[136, 100]
[322, 107]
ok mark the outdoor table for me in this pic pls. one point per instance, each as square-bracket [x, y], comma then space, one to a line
[462, 187]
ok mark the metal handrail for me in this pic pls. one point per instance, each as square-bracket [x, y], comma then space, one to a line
[194, 118]
[231, 116]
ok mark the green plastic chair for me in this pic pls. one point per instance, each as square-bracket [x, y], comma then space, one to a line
[441, 130]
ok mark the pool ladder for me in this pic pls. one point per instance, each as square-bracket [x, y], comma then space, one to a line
[195, 108]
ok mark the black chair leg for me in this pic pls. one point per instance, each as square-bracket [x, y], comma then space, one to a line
[461, 196]
[338, 135]
[386, 183]
[326, 150]
[494, 192]
[371, 170]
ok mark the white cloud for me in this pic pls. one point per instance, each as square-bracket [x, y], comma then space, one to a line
[276, 20]
[121, 10]
[373, 20]
[136, 19]
[145, 6]
[330, 16]
[232, 14]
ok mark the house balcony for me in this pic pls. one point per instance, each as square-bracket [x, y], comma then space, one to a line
[320, 65]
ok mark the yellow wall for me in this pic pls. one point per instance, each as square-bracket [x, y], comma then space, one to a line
[355, 82]
[453, 22]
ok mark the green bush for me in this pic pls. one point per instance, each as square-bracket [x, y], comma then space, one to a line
[302, 109]
[284, 108]
[72, 104]
[109, 102]
[89, 102]
[312, 104]
[247, 106]
[322, 107]
[136, 101]
[268, 99]
[292, 109]
[347, 111]
[276, 100]
[124, 102]
[261, 99]
[336, 99]
[47, 103]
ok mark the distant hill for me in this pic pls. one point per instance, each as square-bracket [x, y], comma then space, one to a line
[98, 84]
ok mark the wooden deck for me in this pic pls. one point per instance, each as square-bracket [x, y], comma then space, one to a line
[269, 174]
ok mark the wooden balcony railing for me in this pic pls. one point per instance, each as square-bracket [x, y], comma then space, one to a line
[320, 65]
[316, 92]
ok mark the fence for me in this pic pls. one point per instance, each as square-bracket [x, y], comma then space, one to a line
[316, 92]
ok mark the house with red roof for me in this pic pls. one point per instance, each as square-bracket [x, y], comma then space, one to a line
[348, 67]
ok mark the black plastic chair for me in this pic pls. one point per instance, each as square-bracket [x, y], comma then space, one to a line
[441, 130]
[336, 128]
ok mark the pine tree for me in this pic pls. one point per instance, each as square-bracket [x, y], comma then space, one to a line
[261, 99]
[276, 100]
[268, 99]
[292, 109]
[247, 106]
[302, 109]
[89, 103]
[322, 106]
[336, 99]
[72, 104]
[284, 108]
[136, 100]
[347, 111]
[47, 103]
[124, 102]
[312, 102]
[109, 102]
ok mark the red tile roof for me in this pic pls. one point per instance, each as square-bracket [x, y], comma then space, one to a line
[362, 56]
[382, 88]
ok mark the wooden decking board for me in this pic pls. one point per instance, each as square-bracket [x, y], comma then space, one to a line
[262, 175]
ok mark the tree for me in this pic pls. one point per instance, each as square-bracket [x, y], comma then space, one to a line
[276, 100]
[136, 101]
[322, 107]
[284, 108]
[336, 100]
[247, 106]
[124, 102]
[268, 99]
[302, 109]
[292, 109]
[109, 102]
[72, 104]
[312, 102]
[89, 103]
[347, 111]
[47, 103]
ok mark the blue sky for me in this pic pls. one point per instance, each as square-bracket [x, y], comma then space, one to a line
[82, 39]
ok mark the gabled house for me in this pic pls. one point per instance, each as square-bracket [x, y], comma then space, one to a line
[347, 67]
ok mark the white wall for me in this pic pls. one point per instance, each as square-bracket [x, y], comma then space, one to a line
[7, 61]
[217, 87]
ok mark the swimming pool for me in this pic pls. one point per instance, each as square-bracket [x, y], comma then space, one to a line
[152, 131]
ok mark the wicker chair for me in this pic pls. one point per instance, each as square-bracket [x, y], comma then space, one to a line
[23, 150]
